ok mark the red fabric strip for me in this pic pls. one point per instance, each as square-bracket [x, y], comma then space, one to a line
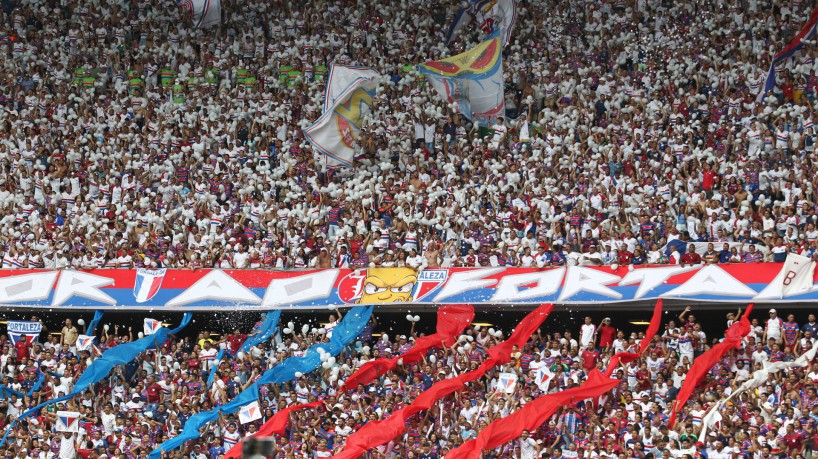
[703, 363]
[531, 416]
[627, 357]
[377, 433]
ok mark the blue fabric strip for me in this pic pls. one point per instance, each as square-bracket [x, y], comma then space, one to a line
[92, 326]
[101, 367]
[350, 327]
[215, 367]
[266, 330]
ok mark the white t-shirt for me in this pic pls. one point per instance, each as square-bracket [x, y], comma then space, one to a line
[586, 334]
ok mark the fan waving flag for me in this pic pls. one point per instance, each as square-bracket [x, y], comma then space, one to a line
[151, 326]
[249, 412]
[507, 382]
[542, 378]
[487, 15]
[806, 33]
[204, 13]
[85, 342]
[348, 102]
[23, 330]
[68, 421]
[472, 80]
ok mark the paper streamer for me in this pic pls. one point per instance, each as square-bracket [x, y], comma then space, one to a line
[350, 327]
[703, 363]
[531, 416]
[376, 433]
[101, 367]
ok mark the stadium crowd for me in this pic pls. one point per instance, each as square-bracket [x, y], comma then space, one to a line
[143, 403]
[128, 138]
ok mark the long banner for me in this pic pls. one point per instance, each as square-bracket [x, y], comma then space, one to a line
[186, 290]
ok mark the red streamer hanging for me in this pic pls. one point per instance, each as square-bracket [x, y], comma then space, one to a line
[377, 433]
[703, 363]
[451, 321]
[627, 357]
[531, 416]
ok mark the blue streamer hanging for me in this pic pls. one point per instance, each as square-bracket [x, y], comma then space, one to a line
[101, 367]
[350, 327]
[91, 329]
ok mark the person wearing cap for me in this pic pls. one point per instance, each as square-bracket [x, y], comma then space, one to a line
[773, 327]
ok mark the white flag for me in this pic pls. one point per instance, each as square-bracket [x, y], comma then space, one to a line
[151, 326]
[68, 421]
[205, 13]
[335, 134]
[798, 274]
[249, 413]
[507, 382]
[85, 342]
[542, 377]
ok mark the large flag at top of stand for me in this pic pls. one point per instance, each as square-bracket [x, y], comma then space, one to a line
[205, 13]
[473, 80]
[350, 92]
[487, 15]
[805, 34]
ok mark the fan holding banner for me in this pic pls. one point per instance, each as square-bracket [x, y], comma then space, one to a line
[472, 81]
[348, 101]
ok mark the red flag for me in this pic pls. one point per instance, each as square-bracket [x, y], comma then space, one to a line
[376, 433]
[703, 363]
[451, 321]
[531, 416]
[627, 357]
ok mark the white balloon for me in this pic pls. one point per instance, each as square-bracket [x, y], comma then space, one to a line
[314, 330]
[287, 331]
[81, 322]
[290, 325]
[341, 383]
[298, 374]
[240, 355]
[400, 362]
[331, 361]
[409, 317]
[324, 357]
[326, 365]
[491, 331]
[467, 347]
[477, 327]
[417, 318]
[106, 327]
[305, 329]
[432, 358]
[141, 335]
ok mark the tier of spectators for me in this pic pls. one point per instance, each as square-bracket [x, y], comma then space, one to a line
[128, 138]
[150, 399]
